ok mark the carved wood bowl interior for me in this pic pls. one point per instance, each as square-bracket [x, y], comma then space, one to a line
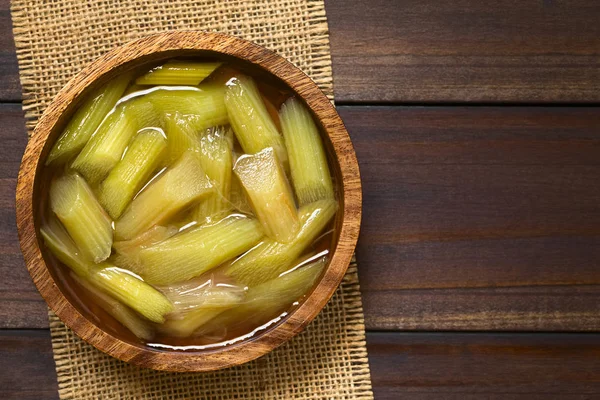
[99, 329]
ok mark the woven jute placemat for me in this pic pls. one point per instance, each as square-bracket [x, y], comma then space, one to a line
[54, 40]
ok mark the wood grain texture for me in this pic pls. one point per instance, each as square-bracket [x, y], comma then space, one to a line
[569, 308]
[419, 366]
[450, 366]
[465, 50]
[10, 89]
[20, 304]
[28, 367]
[140, 53]
[437, 51]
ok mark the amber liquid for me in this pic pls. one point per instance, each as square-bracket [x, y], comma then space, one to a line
[274, 93]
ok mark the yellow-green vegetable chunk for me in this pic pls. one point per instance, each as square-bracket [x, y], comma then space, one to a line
[125, 315]
[106, 147]
[86, 120]
[270, 299]
[199, 249]
[127, 251]
[178, 72]
[251, 122]
[308, 162]
[279, 293]
[216, 159]
[270, 194]
[202, 107]
[61, 245]
[181, 136]
[131, 291]
[73, 202]
[179, 186]
[270, 258]
[141, 159]
[196, 306]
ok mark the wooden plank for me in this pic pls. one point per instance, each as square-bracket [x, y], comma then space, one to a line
[426, 366]
[549, 308]
[442, 51]
[28, 366]
[420, 366]
[21, 305]
[10, 88]
[465, 50]
[475, 218]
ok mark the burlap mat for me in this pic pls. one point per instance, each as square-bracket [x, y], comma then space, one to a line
[54, 41]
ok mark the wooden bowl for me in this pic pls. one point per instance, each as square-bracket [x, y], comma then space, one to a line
[153, 49]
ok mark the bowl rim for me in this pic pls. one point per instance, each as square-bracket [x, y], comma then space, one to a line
[227, 356]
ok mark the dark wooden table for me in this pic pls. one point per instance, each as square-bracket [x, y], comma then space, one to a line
[477, 129]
